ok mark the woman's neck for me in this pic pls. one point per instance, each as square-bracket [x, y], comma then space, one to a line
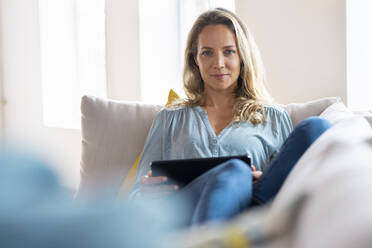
[219, 100]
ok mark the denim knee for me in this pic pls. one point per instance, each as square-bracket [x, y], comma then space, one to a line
[225, 192]
[311, 128]
[235, 167]
[315, 123]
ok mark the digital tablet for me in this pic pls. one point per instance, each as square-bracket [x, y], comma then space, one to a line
[183, 171]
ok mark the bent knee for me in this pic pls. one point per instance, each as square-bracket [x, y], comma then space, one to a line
[232, 172]
[237, 165]
[311, 128]
[315, 124]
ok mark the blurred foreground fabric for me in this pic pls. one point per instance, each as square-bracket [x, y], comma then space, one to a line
[36, 211]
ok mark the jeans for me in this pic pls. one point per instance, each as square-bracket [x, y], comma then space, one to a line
[228, 189]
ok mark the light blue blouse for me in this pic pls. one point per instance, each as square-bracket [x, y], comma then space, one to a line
[187, 133]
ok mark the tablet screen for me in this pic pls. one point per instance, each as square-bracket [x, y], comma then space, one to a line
[183, 171]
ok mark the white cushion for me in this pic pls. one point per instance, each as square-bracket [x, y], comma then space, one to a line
[336, 112]
[366, 114]
[338, 211]
[300, 111]
[368, 118]
[114, 132]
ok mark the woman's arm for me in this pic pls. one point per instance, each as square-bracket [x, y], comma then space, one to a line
[153, 150]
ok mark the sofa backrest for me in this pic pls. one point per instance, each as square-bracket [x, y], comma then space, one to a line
[114, 133]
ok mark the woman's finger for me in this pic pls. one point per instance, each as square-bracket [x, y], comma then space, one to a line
[256, 174]
[253, 168]
[152, 180]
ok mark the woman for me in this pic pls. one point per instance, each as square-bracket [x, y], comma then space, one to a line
[227, 112]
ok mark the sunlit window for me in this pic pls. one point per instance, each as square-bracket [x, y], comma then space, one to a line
[72, 57]
[359, 54]
[164, 26]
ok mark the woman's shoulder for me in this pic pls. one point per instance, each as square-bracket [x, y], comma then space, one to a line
[276, 112]
[173, 110]
[275, 109]
[170, 112]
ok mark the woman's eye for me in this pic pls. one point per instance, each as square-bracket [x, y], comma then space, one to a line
[227, 52]
[206, 53]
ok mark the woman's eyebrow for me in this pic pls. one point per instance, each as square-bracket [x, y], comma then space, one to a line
[229, 46]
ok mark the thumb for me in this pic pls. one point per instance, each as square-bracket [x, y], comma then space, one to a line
[257, 174]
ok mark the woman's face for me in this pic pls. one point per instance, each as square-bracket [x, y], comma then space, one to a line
[218, 58]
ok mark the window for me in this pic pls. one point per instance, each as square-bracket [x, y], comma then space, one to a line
[359, 54]
[164, 26]
[72, 57]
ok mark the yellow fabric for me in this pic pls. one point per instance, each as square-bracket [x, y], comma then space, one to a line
[235, 238]
[128, 183]
[130, 178]
[172, 96]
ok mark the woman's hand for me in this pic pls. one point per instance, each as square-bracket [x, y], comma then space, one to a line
[255, 173]
[150, 186]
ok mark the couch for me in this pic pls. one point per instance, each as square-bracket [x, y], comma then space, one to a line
[326, 200]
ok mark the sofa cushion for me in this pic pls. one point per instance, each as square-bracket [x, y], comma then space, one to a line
[300, 111]
[113, 134]
[336, 112]
[366, 114]
[338, 210]
[368, 117]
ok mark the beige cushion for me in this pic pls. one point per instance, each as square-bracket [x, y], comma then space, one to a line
[336, 112]
[114, 132]
[300, 111]
[368, 117]
[366, 114]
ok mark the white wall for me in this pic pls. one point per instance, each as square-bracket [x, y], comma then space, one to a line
[20, 52]
[1, 79]
[122, 41]
[303, 44]
[22, 89]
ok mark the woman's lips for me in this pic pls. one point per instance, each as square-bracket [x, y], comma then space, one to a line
[220, 76]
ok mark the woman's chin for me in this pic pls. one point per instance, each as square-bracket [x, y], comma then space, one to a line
[222, 86]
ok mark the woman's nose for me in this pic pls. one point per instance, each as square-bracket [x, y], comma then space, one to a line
[219, 61]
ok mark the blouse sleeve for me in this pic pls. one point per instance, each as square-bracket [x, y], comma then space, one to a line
[285, 126]
[151, 151]
[281, 128]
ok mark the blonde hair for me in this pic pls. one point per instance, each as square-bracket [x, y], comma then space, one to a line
[251, 92]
